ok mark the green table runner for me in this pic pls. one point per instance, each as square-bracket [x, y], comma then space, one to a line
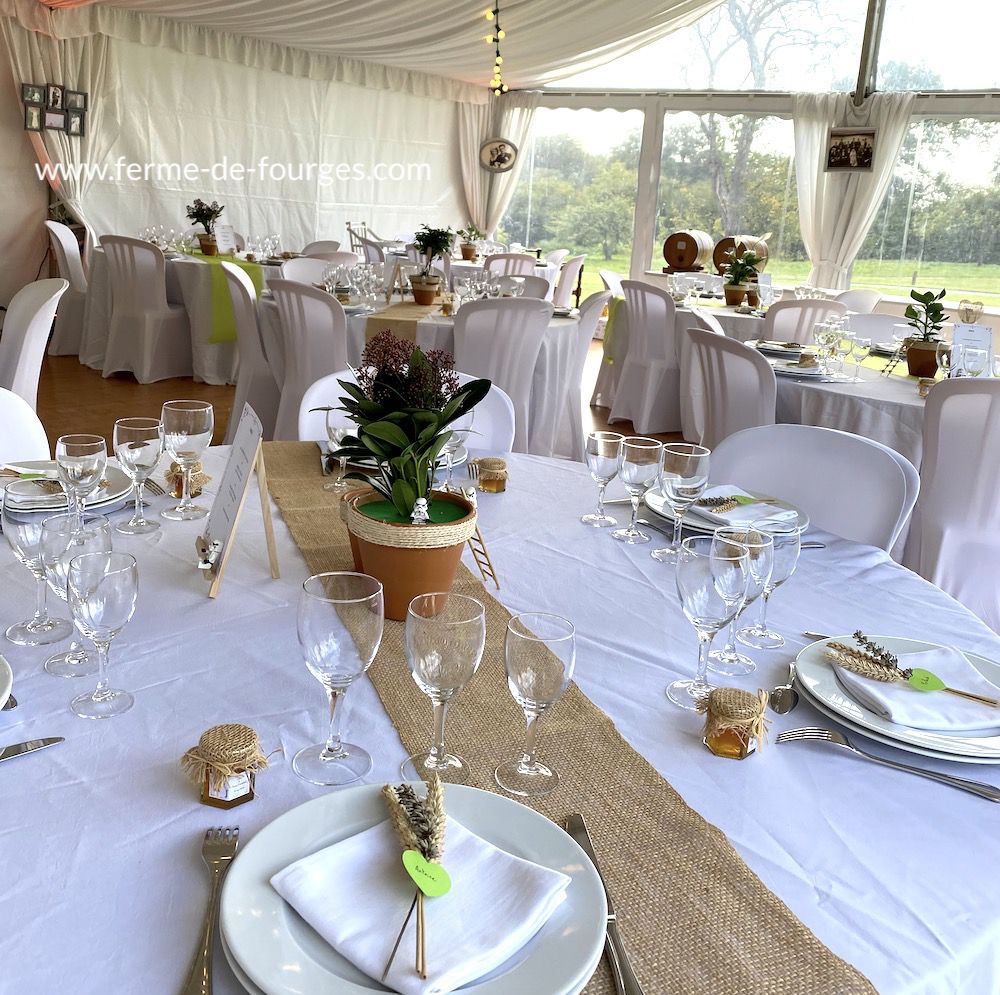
[614, 310]
[223, 319]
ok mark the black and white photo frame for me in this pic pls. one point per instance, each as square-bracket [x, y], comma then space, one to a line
[33, 93]
[33, 120]
[54, 107]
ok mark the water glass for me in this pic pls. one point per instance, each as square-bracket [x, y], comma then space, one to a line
[861, 349]
[603, 449]
[786, 536]
[460, 429]
[80, 463]
[187, 433]
[683, 479]
[844, 346]
[337, 429]
[946, 355]
[974, 361]
[138, 445]
[540, 656]
[638, 467]
[340, 622]
[102, 590]
[444, 639]
[64, 537]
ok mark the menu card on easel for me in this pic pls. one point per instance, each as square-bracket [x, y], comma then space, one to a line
[225, 239]
[974, 337]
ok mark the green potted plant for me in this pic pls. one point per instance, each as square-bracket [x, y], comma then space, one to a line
[469, 235]
[432, 242]
[741, 270]
[402, 405]
[205, 215]
[926, 315]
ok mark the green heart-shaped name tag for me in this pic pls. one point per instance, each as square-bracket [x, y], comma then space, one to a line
[924, 680]
[432, 879]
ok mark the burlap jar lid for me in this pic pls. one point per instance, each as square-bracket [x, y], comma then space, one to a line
[492, 468]
[223, 751]
[735, 709]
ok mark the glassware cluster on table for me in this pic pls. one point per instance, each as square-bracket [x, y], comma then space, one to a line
[363, 283]
[184, 241]
[482, 286]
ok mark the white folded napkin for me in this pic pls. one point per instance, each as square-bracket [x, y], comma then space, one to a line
[744, 514]
[936, 711]
[356, 894]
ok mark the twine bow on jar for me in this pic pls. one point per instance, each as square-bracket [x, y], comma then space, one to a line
[734, 721]
[222, 752]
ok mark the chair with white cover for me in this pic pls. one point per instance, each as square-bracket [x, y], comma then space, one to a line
[373, 252]
[860, 301]
[556, 256]
[648, 391]
[22, 436]
[492, 426]
[738, 383]
[954, 539]
[255, 384]
[692, 384]
[568, 277]
[877, 327]
[314, 330]
[531, 286]
[147, 336]
[499, 340]
[69, 314]
[612, 281]
[509, 264]
[306, 269]
[322, 246]
[793, 321]
[25, 333]
[848, 485]
[590, 313]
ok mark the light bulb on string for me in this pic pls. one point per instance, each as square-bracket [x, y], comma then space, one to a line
[488, 14]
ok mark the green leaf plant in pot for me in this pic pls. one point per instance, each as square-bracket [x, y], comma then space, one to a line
[403, 404]
[432, 242]
[469, 235]
[741, 271]
[926, 315]
[205, 215]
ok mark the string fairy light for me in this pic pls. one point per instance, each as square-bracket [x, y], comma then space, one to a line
[497, 35]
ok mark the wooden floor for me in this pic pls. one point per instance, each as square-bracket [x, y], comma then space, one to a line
[75, 398]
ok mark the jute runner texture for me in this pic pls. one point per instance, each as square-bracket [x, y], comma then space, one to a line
[401, 319]
[694, 917]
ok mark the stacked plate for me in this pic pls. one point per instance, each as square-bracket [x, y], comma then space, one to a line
[817, 679]
[110, 496]
[697, 522]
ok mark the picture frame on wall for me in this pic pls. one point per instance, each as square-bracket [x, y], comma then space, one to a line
[55, 97]
[33, 93]
[76, 100]
[33, 120]
[497, 155]
[76, 123]
[55, 120]
[850, 149]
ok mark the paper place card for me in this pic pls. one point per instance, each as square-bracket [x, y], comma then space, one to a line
[225, 239]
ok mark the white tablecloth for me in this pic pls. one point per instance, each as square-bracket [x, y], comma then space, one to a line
[104, 887]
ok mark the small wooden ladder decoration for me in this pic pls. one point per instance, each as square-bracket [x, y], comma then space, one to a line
[482, 557]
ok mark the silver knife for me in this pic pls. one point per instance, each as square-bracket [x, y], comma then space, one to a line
[625, 980]
[18, 749]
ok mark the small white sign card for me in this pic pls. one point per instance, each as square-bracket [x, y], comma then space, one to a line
[245, 457]
[225, 239]
[974, 337]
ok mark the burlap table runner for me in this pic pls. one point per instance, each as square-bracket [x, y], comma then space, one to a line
[401, 319]
[694, 917]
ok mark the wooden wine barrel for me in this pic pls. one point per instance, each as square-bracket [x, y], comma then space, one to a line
[741, 243]
[687, 251]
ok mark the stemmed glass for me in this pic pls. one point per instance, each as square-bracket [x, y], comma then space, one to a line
[63, 537]
[638, 466]
[337, 429]
[843, 347]
[683, 479]
[138, 445]
[26, 504]
[974, 361]
[80, 464]
[945, 356]
[861, 349]
[460, 429]
[102, 589]
[711, 583]
[445, 635]
[786, 537]
[187, 433]
[602, 461]
[540, 655]
[760, 561]
[340, 622]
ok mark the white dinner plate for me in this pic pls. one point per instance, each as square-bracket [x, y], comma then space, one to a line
[694, 522]
[282, 955]
[564, 312]
[241, 976]
[118, 486]
[6, 681]
[794, 370]
[817, 677]
[778, 351]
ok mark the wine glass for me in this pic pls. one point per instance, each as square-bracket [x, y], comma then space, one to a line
[540, 654]
[861, 349]
[602, 461]
[138, 445]
[63, 537]
[459, 429]
[711, 583]
[80, 464]
[974, 361]
[101, 590]
[187, 433]
[683, 479]
[944, 356]
[786, 536]
[337, 429]
[26, 504]
[760, 561]
[445, 635]
[843, 346]
[638, 466]
[340, 623]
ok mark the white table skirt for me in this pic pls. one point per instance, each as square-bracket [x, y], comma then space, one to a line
[105, 885]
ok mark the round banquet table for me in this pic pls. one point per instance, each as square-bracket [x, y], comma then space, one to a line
[105, 883]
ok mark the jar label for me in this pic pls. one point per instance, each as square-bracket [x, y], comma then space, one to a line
[232, 787]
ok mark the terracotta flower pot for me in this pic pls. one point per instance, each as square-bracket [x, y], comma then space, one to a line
[409, 559]
[735, 292]
[469, 251]
[209, 247]
[425, 288]
[921, 358]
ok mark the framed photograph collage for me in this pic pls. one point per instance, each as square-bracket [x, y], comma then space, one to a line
[51, 107]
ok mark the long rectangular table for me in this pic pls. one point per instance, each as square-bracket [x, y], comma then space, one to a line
[105, 887]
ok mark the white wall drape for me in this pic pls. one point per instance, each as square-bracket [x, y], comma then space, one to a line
[836, 209]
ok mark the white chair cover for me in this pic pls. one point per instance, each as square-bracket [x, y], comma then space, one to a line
[846, 484]
[22, 436]
[25, 334]
[648, 392]
[322, 246]
[877, 327]
[566, 283]
[954, 539]
[69, 314]
[692, 384]
[146, 336]
[534, 286]
[255, 384]
[612, 281]
[590, 313]
[615, 351]
[739, 385]
[509, 264]
[500, 340]
[306, 270]
[793, 321]
[860, 301]
[314, 330]
[556, 256]
[373, 252]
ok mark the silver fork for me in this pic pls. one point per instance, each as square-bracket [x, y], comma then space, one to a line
[816, 735]
[217, 851]
[153, 487]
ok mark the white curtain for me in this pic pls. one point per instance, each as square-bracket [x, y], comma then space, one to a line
[836, 209]
[473, 127]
